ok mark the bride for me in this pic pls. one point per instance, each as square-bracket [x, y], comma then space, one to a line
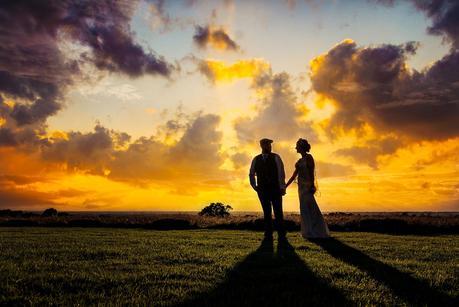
[312, 221]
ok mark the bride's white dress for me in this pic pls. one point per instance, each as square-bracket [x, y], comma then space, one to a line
[312, 221]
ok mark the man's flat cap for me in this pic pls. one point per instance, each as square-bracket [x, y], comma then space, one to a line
[265, 141]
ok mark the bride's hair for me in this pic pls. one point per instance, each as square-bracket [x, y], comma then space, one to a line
[303, 145]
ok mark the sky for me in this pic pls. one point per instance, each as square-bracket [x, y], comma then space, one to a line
[159, 105]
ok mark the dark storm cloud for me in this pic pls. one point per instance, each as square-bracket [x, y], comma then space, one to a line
[115, 50]
[373, 85]
[444, 15]
[15, 131]
[445, 18]
[28, 138]
[215, 37]
[34, 66]
[103, 26]
[26, 87]
[42, 97]
[38, 111]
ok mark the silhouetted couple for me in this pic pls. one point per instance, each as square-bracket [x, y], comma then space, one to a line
[267, 177]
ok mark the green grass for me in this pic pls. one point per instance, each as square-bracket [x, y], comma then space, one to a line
[71, 266]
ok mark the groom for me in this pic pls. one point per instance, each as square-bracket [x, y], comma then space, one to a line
[268, 169]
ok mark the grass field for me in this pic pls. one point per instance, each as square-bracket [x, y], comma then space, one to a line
[71, 266]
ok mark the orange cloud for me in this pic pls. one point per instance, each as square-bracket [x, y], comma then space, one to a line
[191, 161]
[374, 85]
[218, 71]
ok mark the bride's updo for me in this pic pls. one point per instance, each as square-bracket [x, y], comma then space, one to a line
[303, 145]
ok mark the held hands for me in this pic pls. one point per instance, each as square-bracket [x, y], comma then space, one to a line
[283, 192]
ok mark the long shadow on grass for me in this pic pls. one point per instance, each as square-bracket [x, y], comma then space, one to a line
[412, 290]
[265, 278]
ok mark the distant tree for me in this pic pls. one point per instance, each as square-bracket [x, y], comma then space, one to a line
[216, 209]
[49, 212]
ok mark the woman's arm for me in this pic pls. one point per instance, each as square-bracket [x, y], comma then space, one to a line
[291, 178]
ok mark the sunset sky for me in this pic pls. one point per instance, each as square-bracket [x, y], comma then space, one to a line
[159, 105]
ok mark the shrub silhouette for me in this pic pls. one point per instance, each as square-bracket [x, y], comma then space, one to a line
[49, 212]
[216, 209]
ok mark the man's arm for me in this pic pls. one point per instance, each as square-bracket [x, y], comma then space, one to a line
[280, 172]
[253, 183]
